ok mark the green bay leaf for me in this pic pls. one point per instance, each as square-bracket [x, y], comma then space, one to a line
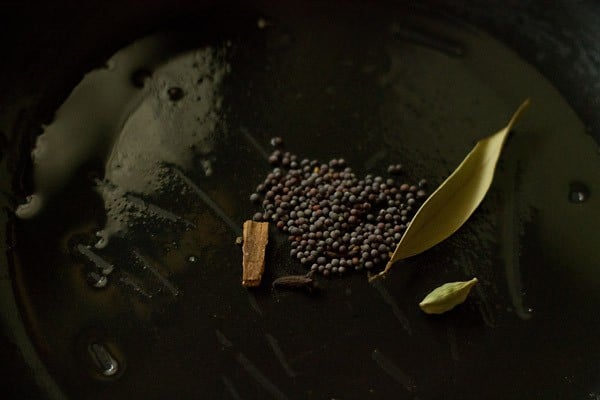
[453, 202]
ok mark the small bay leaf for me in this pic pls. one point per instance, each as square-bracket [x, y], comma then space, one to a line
[446, 297]
[453, 202]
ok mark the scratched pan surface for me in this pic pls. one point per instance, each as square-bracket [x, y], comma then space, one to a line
[159, 150]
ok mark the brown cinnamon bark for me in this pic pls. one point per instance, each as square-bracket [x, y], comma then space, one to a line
[256, 237]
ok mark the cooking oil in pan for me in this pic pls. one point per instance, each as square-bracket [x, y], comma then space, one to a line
[127, 269]
[171, 118]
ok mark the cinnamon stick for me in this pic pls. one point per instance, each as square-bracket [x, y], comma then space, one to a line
[256, 237]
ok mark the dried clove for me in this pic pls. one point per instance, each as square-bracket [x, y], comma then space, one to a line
[296, 282]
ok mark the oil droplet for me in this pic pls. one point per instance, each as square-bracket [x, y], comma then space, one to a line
[97, 280]
[175, 93]
[140, 76]
[105, 267]
[30, 208]
[262, 23]
[578, 193]
[102, 241]
[103, 359]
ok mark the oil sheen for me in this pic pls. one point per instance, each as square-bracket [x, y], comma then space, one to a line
[127, 268]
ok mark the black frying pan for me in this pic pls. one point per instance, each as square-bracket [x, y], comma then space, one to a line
[392, 82]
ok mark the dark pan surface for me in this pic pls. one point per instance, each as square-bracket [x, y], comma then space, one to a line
[373, 84]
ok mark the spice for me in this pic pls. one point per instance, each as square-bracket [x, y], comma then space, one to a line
[297, 282]
[276, 141]
[453, 202]
[446, 297]
[255, 239]
[335, 221]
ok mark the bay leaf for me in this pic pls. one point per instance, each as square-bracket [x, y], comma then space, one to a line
[446, 297]
[453, 202]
